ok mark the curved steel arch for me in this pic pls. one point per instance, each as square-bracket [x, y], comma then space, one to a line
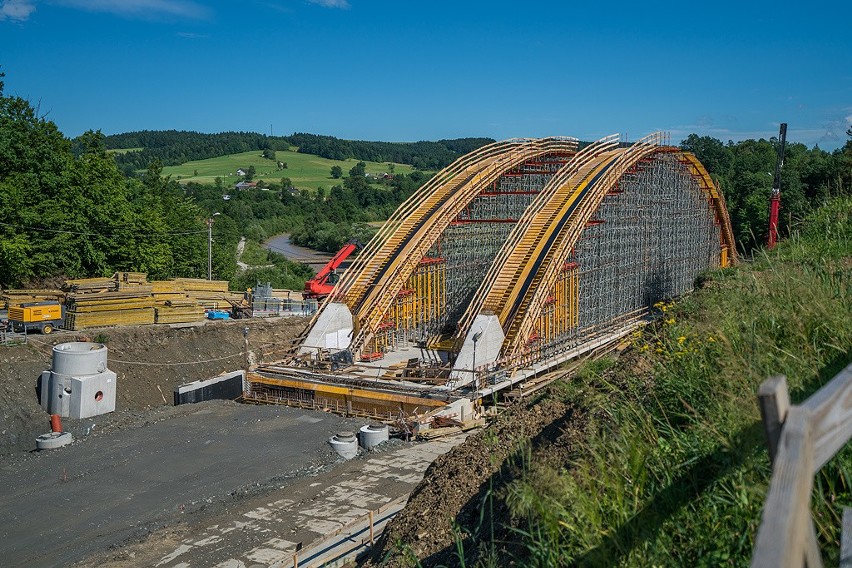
[523, 275]
[370, 286]
[585, 199]
[517, 286]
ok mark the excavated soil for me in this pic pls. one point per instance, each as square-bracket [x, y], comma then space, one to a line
[150, 362]
[456, 488]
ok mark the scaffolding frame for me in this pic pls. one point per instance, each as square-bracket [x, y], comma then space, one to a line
[562, 245]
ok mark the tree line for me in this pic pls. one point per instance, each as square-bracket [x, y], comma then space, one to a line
[421, 155]
[745, 170]
[173, 147]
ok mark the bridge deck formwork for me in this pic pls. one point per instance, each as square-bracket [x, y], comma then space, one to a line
[513, 260]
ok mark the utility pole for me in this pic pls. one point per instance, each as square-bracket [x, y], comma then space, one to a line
[210, 246]
[775, 199]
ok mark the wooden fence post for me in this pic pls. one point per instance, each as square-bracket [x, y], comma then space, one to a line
[831, 412]
[846, 539]
[774, 400]
[785, 534]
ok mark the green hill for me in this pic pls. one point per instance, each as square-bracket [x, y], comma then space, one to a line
[306, 171]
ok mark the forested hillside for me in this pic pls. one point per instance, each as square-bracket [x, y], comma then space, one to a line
[744, 171]
[173, 147]
[422, 155]
[77, 216]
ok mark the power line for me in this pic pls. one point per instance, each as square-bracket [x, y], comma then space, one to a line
[64, 232]
[154, 364]
[151, 363]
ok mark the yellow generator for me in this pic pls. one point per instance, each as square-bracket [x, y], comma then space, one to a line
[43, 316]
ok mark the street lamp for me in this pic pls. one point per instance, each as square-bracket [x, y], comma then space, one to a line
[210, 246]
[475, 338]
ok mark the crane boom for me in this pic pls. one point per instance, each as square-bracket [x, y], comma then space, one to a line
[320, 286]
[775, 198]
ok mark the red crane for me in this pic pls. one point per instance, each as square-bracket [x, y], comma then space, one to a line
[323, 283]
[775, 199]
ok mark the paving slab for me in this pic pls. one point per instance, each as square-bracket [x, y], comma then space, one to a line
[269, 532]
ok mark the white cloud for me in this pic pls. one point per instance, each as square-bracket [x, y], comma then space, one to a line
[20, 10]
[191, 35]
[145, 9]
[16, 10]
[331, 3]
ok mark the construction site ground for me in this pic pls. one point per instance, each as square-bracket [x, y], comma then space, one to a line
[193, 485]
[150, 361]
[223, 483]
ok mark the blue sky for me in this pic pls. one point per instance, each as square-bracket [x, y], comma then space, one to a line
[403, 70]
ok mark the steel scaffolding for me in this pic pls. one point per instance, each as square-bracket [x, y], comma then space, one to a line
[654, 232]
[466, 250]
[562, 246]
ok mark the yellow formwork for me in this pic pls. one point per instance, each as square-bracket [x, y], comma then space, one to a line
[424, 297]
[561, 313]
[353, 400]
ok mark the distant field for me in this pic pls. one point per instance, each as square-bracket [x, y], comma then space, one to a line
[123, 150]
[306, 170]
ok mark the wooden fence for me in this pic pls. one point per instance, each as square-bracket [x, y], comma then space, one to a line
[801, 439]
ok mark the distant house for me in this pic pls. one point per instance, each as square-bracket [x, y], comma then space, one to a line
[243, 185]
[241, 172]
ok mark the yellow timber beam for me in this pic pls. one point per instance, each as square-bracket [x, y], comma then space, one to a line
[338, 390]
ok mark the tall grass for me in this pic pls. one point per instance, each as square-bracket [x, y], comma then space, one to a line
[675, 470]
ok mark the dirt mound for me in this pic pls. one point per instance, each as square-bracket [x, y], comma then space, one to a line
[457, 486]
[150, 362]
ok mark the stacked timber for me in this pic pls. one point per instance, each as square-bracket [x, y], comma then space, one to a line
[201, 285]
[90, 285]
[138, 278]
[13, 298]
[210, 294]
[178, 311]
[128, 306]
[129, 298]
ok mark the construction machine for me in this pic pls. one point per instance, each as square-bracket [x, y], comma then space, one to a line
[775, 198]
[41, 316]
[323, 283]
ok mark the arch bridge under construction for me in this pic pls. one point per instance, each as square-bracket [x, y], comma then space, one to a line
[513, 260]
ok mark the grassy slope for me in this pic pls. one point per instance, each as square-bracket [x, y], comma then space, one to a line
[306, 170]
[674, 470]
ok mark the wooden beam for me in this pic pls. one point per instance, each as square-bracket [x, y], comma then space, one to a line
[831, 411]
[846, 539]
[774, 400]
[782, 539]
